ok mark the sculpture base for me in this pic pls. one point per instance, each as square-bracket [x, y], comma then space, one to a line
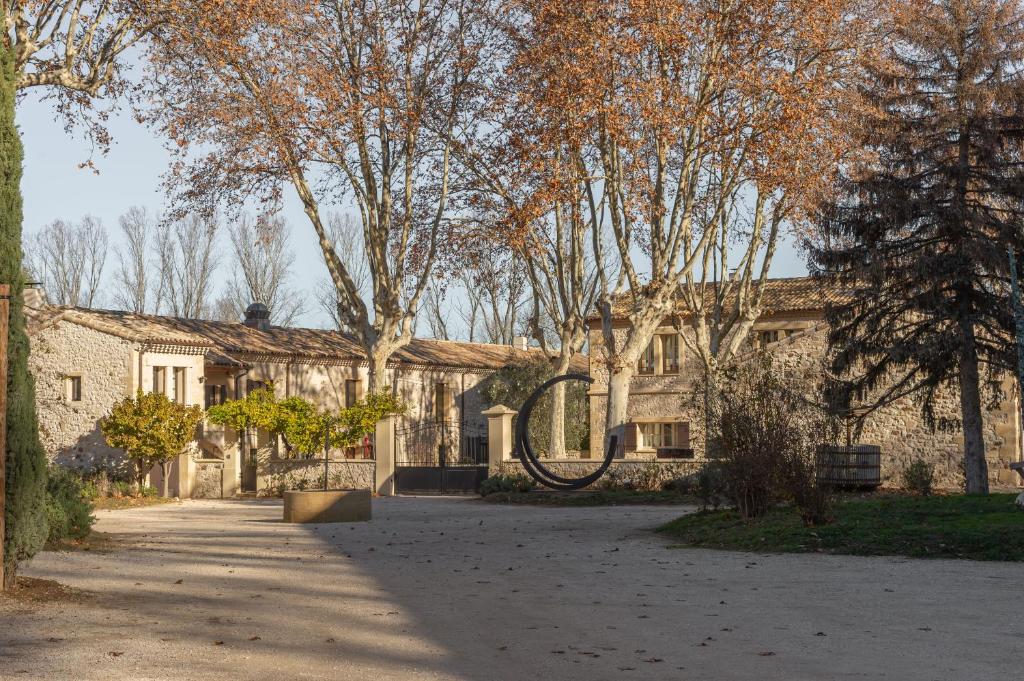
[327, 506]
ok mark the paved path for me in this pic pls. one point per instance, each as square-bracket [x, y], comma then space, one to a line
[459, 589]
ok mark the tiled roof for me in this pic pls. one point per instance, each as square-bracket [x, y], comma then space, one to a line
[227, 342]
[796, 294]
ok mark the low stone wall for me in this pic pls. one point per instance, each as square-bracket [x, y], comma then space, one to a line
[208, 479]
[278, 476]
[635, 473]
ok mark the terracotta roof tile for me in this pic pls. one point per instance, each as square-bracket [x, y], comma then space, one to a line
[227, 342]
[795, 294]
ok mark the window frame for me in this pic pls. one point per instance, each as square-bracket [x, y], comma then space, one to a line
[71, 381]
[159, 380]
[352, 389]
[662, 427]
[179, 385]
[647, 365]
[666, 369]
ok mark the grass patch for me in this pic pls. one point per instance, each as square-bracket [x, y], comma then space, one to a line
[973, 527]
[612, 497]
[115, 503]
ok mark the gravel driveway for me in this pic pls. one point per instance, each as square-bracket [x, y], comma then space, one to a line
[460, 589]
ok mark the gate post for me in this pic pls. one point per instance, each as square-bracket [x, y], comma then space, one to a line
[499, 436]
[384, 456]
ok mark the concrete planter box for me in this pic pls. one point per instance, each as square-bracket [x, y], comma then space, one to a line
[330, 506]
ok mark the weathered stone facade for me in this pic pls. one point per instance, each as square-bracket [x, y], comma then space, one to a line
[898, 428]
[113, 354]
[68, 429]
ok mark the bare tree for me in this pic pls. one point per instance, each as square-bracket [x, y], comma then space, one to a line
[74, 49]
[263, 262]
[346, 238]
[470, 310]
[132, 278]
[641, 108]
[501, 280]
[187, 257]
[69, 260]
[437, 311]
[370, 94]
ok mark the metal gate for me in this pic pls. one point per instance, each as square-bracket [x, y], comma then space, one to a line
[440, 457]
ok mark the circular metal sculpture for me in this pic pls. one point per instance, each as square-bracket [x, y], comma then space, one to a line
[532, 464]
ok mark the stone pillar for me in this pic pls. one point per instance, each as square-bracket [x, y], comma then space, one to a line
[384, 455]
[186, 466]
[231, 474]
[499, 436]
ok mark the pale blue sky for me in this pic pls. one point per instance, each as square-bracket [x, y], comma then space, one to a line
[55, 187]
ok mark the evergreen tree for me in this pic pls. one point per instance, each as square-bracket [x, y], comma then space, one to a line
[26, 528]
[918, 237]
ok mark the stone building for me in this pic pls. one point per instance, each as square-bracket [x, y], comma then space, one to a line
[85, 360]
[793, 330]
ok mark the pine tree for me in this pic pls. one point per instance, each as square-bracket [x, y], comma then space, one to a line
[919, 235]
[26, 528]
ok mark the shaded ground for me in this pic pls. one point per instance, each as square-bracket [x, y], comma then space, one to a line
[454, 589]
[611, 497]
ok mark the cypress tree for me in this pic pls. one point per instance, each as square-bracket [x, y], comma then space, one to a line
[918, 237]
[26, 528]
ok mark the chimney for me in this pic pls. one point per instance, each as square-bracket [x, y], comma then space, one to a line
[521, 343]
[257, 316]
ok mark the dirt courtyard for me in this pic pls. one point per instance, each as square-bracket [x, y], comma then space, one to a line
[460, 589]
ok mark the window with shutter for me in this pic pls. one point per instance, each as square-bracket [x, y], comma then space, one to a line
[646, 363]
[442, 401]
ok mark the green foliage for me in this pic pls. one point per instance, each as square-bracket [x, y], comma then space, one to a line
[257, 409]
[151, 429]
[918, 477]
[26, 526]
[513, 384]
[68, 507]
[515, 482]
[360, 420]
[963, 526]
[302, 425]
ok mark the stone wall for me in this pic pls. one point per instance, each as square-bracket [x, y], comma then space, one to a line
[69, 430]
[899, 428]
[636, 473]
[208, 479]
[279, 475]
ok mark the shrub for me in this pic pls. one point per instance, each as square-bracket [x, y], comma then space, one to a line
[152, 430]
[515, 482]
[148, 491]
[710, 485]
[800, 482]
[918, 477]
[764, 440]
[68, 511]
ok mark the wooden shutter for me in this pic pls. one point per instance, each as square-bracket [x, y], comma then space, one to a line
[442, 401]
[682, 434]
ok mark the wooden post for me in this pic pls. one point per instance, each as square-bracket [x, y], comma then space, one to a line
[5, 308]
